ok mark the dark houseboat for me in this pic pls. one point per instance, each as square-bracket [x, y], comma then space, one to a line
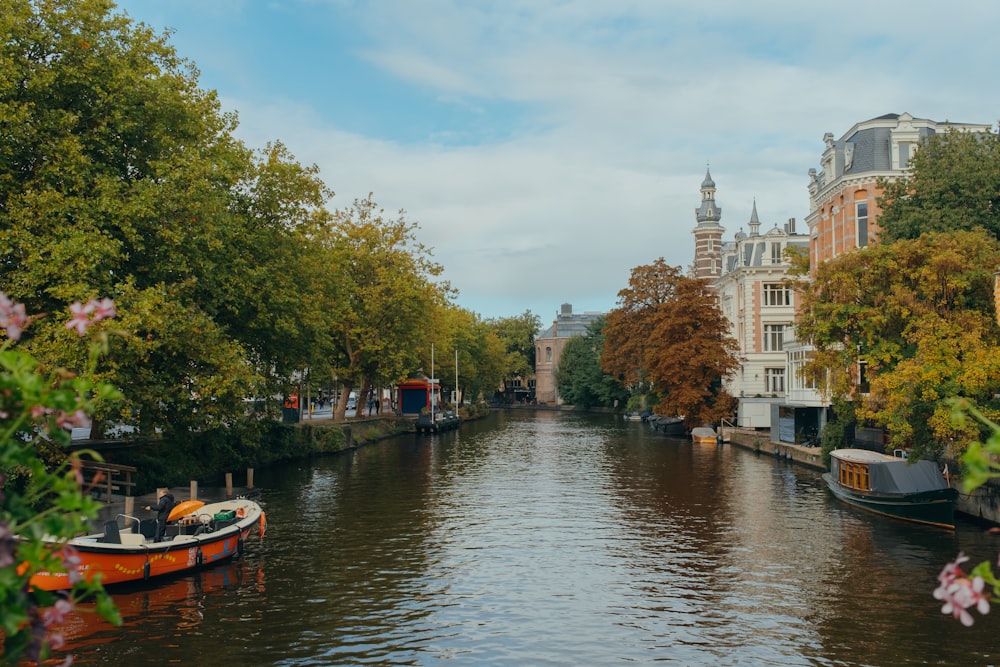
[913, 491]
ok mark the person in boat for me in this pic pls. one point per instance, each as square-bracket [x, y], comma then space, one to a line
[164, 503]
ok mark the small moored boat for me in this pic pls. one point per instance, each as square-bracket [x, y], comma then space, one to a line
[913, 491]
[704, 435]
[668, 425]
[127, 550]
[436, 422]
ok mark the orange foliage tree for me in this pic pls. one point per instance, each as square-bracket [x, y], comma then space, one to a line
[669, 333]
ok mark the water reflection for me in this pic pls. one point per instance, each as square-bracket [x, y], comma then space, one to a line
[167, 613]
[558, 539]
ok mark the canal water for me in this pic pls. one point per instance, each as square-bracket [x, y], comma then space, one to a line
[555, 539]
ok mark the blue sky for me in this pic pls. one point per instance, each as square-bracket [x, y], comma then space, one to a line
[545, 148]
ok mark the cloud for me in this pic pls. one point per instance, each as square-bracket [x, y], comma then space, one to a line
[545, 149]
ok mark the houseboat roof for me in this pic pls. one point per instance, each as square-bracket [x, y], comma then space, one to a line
[859, 455]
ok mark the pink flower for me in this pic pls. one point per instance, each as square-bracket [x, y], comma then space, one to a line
[77, 419]
[103, 309]
[72, 561]
[959, 593]
[13, 317]
[81, 320]
[56, 614]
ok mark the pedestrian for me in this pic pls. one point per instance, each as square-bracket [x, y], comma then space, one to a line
[164, 503]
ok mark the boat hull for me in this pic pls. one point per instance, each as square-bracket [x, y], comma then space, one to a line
[668, 425]
[129, 562]
[934, 508]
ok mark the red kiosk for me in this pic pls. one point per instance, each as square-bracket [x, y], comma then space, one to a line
[418, 393]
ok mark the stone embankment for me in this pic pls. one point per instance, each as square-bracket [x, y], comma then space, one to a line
[761, 443]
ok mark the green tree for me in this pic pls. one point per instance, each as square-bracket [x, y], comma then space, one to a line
[518, 336]
[581, 380]
[668, 331]
[953, 184]
[481, 353]
[919, 315]
[383, 302]
[119, 176]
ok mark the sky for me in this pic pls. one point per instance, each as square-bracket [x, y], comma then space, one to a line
[546, 148]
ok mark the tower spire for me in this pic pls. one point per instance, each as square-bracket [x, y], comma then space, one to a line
[754, 221]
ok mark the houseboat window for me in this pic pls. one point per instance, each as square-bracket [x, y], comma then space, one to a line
[855, 476]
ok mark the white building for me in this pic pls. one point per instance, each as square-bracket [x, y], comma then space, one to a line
[760, 306]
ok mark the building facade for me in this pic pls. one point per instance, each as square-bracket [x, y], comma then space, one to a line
[760, 306]
[844, 192]
[549, 346]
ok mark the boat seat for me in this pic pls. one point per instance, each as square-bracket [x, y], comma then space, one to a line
[132, 539]
[111, 533]
[147, 528]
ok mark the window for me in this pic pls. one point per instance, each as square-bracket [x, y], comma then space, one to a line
[774, 335]
[861, 215]
[548, 355]
[797, 360]
[775, 253]
[774, 379]
[776, 294]
[863, 385]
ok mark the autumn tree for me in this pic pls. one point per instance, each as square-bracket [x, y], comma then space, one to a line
[918, 316]
[668, 331]
[581, 380]
[953, 184]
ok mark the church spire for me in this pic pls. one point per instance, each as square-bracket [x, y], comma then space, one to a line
[754, 221]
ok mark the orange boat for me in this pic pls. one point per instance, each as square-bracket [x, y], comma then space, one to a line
[127, 550]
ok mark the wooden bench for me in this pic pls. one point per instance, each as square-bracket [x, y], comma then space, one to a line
[107, 478]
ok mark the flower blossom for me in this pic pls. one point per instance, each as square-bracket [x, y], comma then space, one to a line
[56, 614]
[72, 562]
[13, 317]
[85, 315]
[959, 592]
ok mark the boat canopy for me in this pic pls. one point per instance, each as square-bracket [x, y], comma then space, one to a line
[904, 477]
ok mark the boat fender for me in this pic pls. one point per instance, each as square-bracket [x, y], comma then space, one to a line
[239, 545]
[198, 558]
[263, 525]
[145, 571]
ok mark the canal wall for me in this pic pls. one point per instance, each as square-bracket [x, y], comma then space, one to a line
[761, 443]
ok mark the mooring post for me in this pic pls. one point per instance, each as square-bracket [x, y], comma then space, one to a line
[194, 490]
[249, 478]
[229, 484]
[129, 504]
